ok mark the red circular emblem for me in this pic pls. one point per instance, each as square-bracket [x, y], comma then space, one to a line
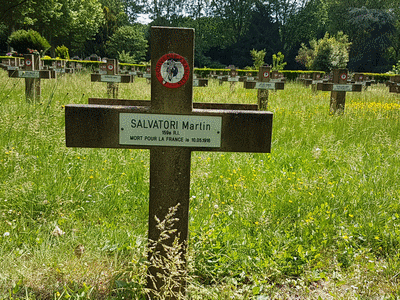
[266, 74]
[172, 70]
[110, 67]
[28, 62]
[361, 78]
[344, 76]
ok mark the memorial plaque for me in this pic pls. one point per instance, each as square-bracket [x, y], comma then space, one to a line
[28, 74]
[342, 88]
[170, 130]
[110, 78]
[265, 85]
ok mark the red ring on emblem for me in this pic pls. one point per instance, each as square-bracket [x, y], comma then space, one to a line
[172, 70]
[28, 62]
[110, 67]
[266, 74]
[344, 76]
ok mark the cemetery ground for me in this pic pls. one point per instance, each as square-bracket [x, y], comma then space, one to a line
[317, 218]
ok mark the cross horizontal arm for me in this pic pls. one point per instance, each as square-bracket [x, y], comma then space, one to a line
[43, 74]
[98, 126]
[200, 105]
[122, 78]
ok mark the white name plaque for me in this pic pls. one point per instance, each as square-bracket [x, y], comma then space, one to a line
[147, 75]
[342, 88]
[28, 74]
[110, 78]
[169, 130]
[233, 79]
[265, 85]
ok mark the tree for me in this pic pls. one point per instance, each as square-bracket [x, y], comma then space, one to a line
[129, 39]
[24, 42]
[79, 20]
[371, 31]
[308, 23]
[258, 57]
[277, 62]
[331, 52]
[235, 16]
[166, 10]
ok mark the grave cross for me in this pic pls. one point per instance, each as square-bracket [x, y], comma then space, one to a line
[338, 90]
[171, 129]
[394, 84]
[111, 77]
[32, 76]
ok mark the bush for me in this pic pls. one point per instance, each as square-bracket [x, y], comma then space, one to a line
[331, 52]
[126, 57]
[62, 52]
[28, 41]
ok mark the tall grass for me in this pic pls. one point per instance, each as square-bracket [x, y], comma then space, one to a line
[319, 216]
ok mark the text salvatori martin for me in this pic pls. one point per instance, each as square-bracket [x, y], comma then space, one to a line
[169, 124]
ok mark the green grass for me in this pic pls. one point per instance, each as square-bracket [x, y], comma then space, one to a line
[317, 217]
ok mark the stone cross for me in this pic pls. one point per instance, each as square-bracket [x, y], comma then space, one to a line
[32, 74]
[171, 128]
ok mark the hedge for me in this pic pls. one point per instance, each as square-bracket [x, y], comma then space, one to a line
[205, 72]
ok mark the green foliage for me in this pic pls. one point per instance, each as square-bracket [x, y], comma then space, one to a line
[277, 62]
[129, 39]
[331, 52]
[125, 57]
[258, 57]
[62, 52]
[371, 32]
[24, 41]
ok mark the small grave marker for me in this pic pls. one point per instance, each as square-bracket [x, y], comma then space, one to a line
[316, 78]
[394, 84]
[338, 89]
[233, 77]
[171, 129]
[264, 84]
[111, 77]
[32, 75]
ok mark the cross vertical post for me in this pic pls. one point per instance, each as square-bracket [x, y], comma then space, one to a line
[112, 69]
[32, 85]
[262, 95]
[338, 99]
[169, 166]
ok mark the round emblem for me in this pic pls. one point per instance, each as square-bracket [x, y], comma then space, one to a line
[172, 70]
[266, 74]
[344, 76]
[361, 78]
[28, 62]
[110, 67]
